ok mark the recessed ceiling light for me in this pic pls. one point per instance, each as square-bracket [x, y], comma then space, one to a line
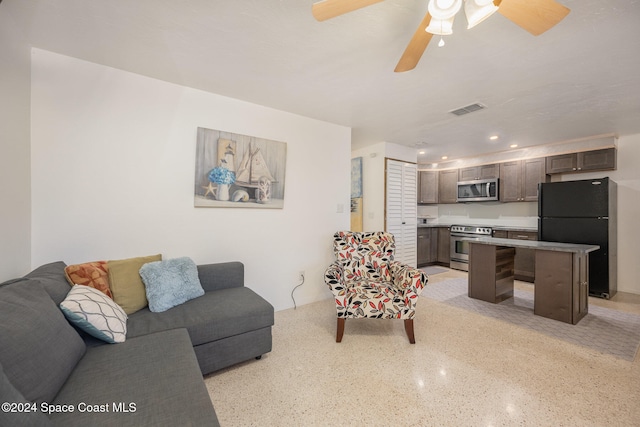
[513, 145]
[493, 137]
[444, 157]
[421, 152]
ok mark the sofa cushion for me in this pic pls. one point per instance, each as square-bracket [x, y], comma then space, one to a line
[18, 416]
[213, 316]
[51, 277]
[221, 275]
[93, 274]
[32, 325]
[170, 282]
[171, 392]
[95, 313]
[126, 284]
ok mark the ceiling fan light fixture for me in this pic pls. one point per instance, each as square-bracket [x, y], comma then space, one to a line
[477, 11]
[442, 14]
[444, 9]
[440, 27]
[534, 16]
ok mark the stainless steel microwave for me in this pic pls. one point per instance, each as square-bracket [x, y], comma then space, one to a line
[479, 190]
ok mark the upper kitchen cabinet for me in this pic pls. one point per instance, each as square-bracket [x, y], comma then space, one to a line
[519, 180]
[585, 161]
[479, 172]
[448, 186]
[427, 187]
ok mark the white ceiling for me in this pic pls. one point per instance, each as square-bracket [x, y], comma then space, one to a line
[579, 79]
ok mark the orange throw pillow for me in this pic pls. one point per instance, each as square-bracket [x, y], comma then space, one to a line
[93, 274]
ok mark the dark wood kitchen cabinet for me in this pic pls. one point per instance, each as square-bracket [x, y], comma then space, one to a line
[525, 259]
[427, 187]
[444, 246]
[519, 180]
[562, 163]
[585, 161]
[433, 246]
[448, 186]
[479, 172]
[427, 245]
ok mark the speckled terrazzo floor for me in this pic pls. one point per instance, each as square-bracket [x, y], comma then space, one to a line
[465, 369]
[603, 329]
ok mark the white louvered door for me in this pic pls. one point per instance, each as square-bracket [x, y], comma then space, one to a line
[401, 209]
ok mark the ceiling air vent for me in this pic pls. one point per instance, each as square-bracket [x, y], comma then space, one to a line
[467, 109]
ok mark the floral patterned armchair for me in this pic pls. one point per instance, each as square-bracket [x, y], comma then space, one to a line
[367, 282]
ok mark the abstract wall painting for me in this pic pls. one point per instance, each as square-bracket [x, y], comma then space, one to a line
[234, 170]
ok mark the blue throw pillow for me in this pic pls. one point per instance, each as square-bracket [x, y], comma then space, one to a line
[170, 282]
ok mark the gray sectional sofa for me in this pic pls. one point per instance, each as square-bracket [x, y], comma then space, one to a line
[54, 374]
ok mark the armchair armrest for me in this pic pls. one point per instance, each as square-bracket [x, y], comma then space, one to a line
[334, 278]
[221, 275]
[412, 280]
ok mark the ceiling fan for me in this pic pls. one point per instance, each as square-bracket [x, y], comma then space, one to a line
[535, 16]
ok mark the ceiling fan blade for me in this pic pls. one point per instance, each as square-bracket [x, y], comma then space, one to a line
[327, 9]
[416, 47]
[535, 16]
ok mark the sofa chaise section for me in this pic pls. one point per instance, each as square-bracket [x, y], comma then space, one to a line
[151, 380]
[229, 324]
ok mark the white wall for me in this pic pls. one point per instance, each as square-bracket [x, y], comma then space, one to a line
[523, 214]
[400, 152]
[372, 186]
[15, 201]
[373, 179]
[113, 158]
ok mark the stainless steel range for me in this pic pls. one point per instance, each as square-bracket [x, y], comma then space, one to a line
[460, 249]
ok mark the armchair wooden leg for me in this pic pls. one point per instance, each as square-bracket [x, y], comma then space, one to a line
[340, 329]
[408, 327]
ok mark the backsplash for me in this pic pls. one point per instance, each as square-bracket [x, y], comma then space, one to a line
[523, 214]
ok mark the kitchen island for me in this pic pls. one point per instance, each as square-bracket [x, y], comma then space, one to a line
[561, 275]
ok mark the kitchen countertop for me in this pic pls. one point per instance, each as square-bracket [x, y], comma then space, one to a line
[515, 228]
[533, 244]
[493, 227]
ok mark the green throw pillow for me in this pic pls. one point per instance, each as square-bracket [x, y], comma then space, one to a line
[126, 285]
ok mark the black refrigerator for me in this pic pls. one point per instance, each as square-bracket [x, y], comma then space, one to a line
[584, 212]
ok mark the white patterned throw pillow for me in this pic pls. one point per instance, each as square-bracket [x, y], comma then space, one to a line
[95, 313]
